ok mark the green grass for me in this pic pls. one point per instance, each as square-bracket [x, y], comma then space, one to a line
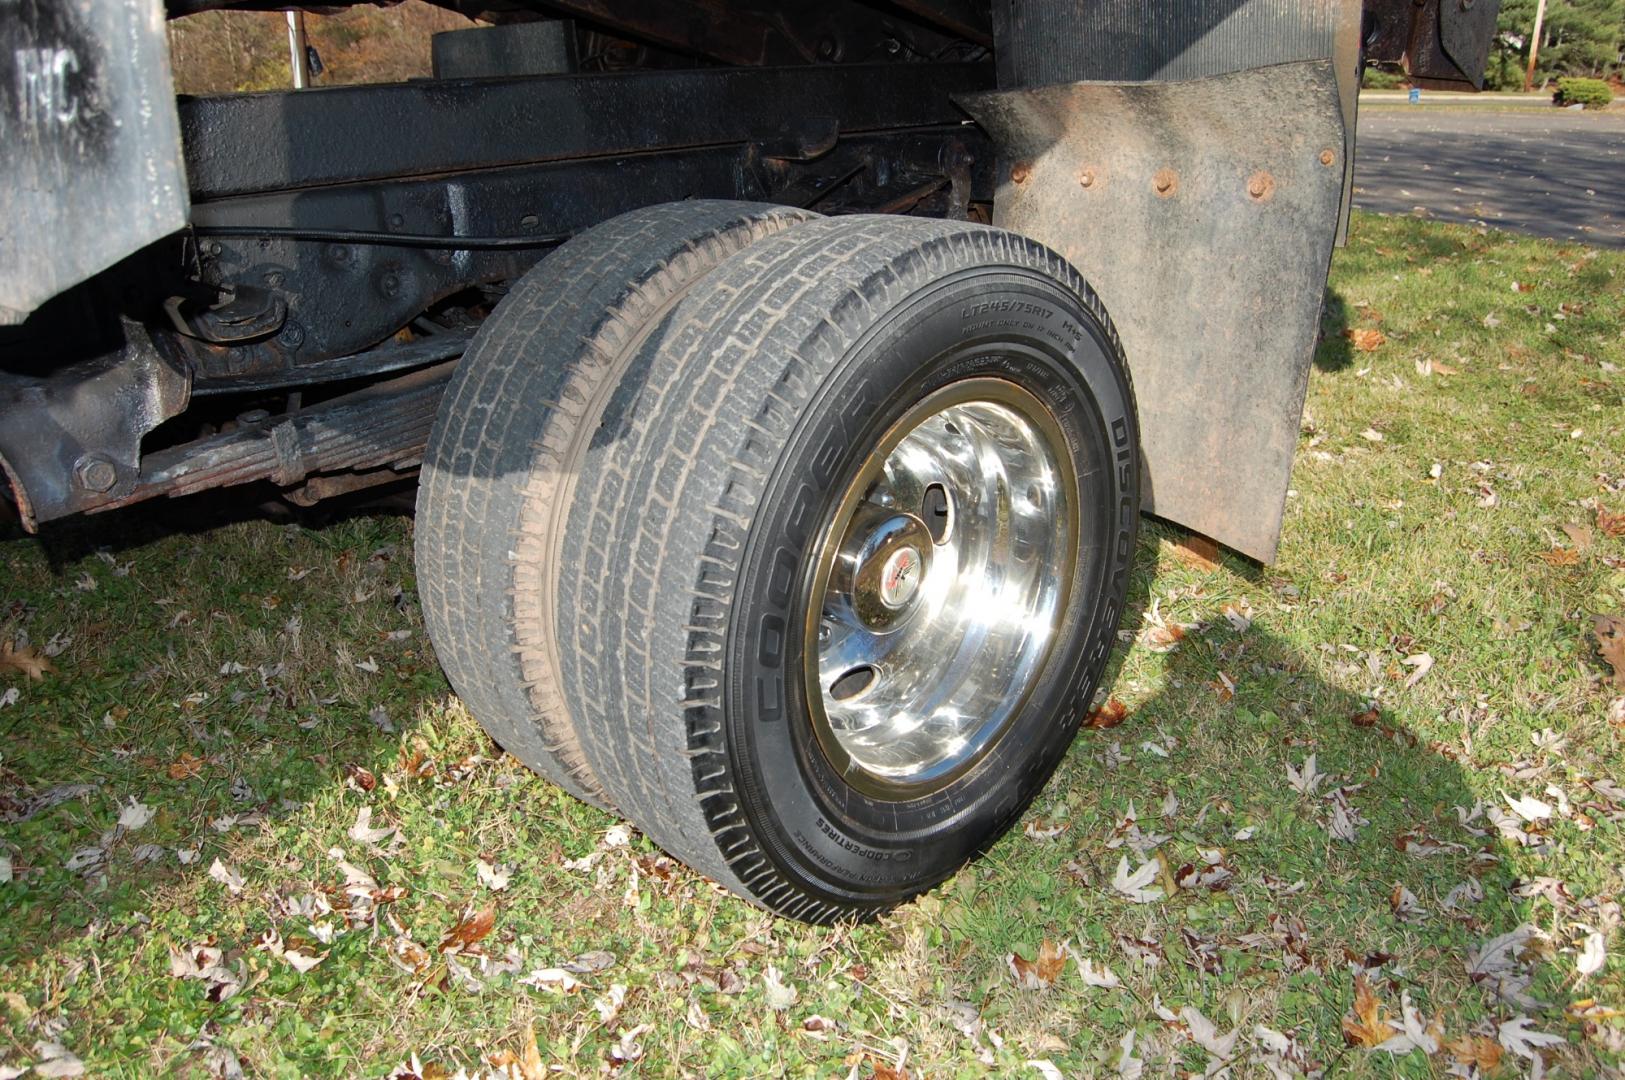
[211, 673]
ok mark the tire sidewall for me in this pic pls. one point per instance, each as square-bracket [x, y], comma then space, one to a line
[1006, 322]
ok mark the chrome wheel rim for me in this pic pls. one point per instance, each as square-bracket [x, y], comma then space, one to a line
[938, 588]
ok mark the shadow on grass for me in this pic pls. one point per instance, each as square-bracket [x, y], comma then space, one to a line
[1366, 869]
[71, 539]
[203, 673]
[1215, 725]
[1333, 351]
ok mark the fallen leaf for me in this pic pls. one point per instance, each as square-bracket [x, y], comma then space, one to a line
[1610, 632]
[608, 1006]
[359, 778]
[1239, 616]
[1422, 662]
[1372, 435]
[470, 930]
[1204, 1034]
[1365, 1025]
[1476, 1052]
[819, 1026]
[134, 816]
[300, 960]
[1104, 978]
[1610, 523]
[1579, 536]
[1366, 719]
[1516, 1035]
[1163, 638]
[1039, 974]
[1129, 1067]
[1365, 339]
[1305, 780]
[554, 979]
[1134, 886]
[495, 878]
[780, 995]
[227, 875]
[363, 832]
[1109, 715]
[1403, 903]
[531, 1065]
[1042, 829]
[187, 765]
[589, 962]
[56, 1060]
[27, 661]
[1528, 807]
[1560, 556]
[1593, 956]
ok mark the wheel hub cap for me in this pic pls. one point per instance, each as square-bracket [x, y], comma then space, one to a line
[939, 587]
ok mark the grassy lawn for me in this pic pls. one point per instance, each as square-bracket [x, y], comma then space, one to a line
[244, 825]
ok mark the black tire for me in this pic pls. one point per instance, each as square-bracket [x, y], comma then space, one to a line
[721, 452]
[500, 467]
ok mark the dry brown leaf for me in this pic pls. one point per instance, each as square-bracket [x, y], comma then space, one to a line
[1365, 339]
[1579, 535]
[1039, 974]
[1612, 524]
[1610, 631]
[1365, 1024]
[470, 930]
[1443, 369]
[1163, 638]
[883, 1071]
[187, 765]
[1109, 715]
[27, 661]
[1369, 718]
[408, 955]
[1560, 556]
[531, 1065]
[1476, 1050]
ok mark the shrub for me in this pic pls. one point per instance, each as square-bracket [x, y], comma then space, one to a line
[1378, 79]
[1592, 93]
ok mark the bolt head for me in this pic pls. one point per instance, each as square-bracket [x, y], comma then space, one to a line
[1327, 156]
[1021, 172]
[95, 473]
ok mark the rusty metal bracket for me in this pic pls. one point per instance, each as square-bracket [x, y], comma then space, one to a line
[1203, 212]
[73, 441]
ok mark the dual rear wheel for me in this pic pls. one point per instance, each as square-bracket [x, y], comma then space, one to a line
[801, 542]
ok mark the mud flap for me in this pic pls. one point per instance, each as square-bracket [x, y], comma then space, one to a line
[1204, 213]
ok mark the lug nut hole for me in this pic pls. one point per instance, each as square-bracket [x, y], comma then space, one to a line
[937, 512]
[854, 682]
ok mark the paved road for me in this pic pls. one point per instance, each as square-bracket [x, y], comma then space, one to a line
[1558, 174]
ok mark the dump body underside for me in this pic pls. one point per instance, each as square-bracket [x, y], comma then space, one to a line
[275, 287]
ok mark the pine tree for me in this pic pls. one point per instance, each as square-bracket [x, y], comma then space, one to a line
[1580, 37]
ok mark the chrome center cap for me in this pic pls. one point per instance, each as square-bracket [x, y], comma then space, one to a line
[885, 557]
[900, 577]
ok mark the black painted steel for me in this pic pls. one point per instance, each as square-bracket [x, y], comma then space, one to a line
[343, 135]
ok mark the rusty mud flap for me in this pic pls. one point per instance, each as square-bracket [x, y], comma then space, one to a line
[1204, 213]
